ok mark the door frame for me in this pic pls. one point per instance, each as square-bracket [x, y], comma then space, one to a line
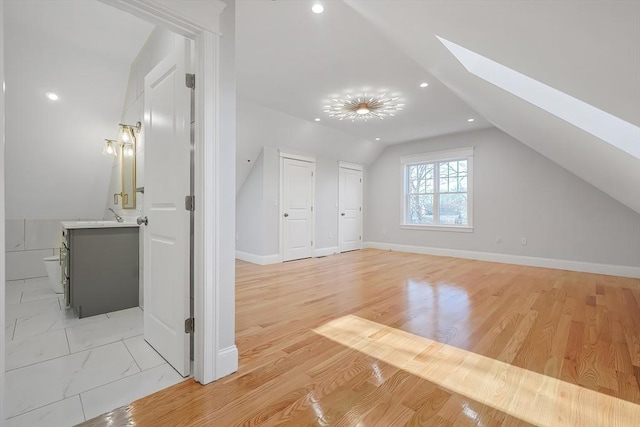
[210, 360]
[213, 275]
[304, 158]
[357, 167]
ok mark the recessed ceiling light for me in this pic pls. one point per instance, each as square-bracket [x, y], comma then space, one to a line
[52, 96]
[317, 8]
[471, 120]
[317, 119]
[377, 139]
[424, 84]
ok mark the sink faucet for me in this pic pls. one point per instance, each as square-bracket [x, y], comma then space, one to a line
[118, 217]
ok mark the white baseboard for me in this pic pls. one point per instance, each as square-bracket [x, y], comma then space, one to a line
[560, 264]
[326, 251]
[227, 361]
[275, 258]
[258, 259]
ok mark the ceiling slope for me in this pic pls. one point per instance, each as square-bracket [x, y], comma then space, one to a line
[81, 50]
[588, 50]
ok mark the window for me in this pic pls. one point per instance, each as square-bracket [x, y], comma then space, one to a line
[437, 190]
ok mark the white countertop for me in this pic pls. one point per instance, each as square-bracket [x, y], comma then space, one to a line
[98, 224]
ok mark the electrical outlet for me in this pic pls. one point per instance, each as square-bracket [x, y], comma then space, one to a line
[498, 239]
[523, 241]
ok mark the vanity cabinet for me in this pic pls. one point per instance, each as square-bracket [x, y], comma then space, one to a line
[100, 269]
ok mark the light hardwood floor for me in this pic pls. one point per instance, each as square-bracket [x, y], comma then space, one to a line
[377, 338]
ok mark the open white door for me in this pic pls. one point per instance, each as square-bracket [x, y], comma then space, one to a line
[350, 208]
[297, 209]
[167, 182]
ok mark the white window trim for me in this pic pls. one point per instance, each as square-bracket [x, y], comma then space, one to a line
[436, 227]
[435, 156]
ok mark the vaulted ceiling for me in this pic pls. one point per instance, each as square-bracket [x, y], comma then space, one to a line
[589, 50]
[291, 60]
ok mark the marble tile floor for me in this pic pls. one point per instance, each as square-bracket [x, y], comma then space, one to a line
[61, 370]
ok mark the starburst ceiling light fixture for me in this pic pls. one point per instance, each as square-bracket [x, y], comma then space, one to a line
[363, 107]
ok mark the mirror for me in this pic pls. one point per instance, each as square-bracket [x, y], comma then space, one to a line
[128, 167]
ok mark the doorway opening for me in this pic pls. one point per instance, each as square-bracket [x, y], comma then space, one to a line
[56, 362]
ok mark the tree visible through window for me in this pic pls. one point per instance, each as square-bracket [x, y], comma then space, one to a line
[436, 193]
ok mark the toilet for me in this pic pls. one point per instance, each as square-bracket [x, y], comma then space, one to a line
[54, 271]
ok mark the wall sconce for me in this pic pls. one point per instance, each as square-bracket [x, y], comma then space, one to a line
[110, 148]
[128, 133]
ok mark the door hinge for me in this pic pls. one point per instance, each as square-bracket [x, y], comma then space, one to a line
[311, 174]
[312, 243]
[190, 81]
[190, 203]
[360, 238]
[360, 180]
[189, 325]
[360, 208]
[311, 208]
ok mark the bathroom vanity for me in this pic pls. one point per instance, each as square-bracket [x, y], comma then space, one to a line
[100, 266]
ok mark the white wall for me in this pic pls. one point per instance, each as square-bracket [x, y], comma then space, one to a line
[227, 189]
[257, 206]
[250, 215]
[517, 193]
[271, 191]
[327, 173]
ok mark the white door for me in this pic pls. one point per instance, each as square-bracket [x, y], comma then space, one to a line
[350, 209]
[167, 182]
[297, 209]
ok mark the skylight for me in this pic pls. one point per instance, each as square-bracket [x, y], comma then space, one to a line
[607, 127]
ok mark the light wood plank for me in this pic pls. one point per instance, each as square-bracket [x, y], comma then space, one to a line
[388, 338]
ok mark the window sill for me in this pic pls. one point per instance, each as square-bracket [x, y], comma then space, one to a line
[456, 228]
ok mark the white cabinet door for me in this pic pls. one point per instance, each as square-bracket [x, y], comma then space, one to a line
[167, 169]
[350, 210]
[297, 209]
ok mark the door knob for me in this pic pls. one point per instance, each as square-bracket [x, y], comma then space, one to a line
[286, 215]
[142, 220]
[342, 214]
